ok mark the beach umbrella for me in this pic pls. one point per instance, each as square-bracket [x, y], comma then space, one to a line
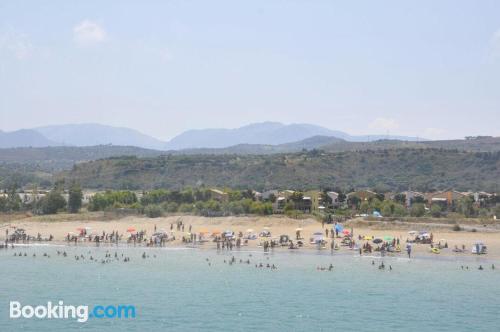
[339, 228]
[346, 231]
[388, 238]
[368, 238]
[318, 233]
[298, 229]
[130, 229]
[377, 241]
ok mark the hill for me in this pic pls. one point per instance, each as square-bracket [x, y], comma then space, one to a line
[91, 134]
[24, 138]
[265, 133]
[396, 169]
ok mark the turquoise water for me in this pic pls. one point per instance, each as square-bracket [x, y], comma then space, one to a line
[178, 290]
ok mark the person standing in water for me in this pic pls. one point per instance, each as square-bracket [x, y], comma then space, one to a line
[408, 250]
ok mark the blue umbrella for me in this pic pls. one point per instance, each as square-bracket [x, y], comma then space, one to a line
[339, 228]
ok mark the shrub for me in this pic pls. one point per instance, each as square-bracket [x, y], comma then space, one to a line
[153, 211]
[456, 228]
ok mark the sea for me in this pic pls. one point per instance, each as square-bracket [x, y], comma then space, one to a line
[192, 289]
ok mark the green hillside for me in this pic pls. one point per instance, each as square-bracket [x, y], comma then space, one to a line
[395, 169]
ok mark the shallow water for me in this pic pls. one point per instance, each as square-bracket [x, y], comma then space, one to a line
[179, 290]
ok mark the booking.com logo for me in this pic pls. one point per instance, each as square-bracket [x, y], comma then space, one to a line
[81, 313]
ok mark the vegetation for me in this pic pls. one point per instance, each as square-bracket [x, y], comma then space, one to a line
[52, 203]
[75, 198]
[396, 170]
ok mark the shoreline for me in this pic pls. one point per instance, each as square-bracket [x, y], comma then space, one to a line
[59, 227]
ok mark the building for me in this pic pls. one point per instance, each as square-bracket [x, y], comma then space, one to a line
[363, 195]
[446, 198]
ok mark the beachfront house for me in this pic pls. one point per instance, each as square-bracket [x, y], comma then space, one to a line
[445, 199]
[363, 195]
[411, 197]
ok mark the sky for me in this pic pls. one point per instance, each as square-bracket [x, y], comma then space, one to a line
[418, 68]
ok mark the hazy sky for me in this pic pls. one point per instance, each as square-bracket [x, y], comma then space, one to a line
[419, 68]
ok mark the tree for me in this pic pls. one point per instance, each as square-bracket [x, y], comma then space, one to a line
[354, 201]
[417, 210]
[399, 210]
[272, 198]
[153, 211]
[436, 210]
[75, 198]
[325, 198]
[400, 198]
[364, 207]
[297, 196]
[52, 203]
[466, 206]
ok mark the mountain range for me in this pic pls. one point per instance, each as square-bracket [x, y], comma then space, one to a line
[264, 133]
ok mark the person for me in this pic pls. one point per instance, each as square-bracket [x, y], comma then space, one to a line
[408, 249]
[326, 232]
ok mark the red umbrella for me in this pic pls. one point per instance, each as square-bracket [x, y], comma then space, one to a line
[131, 229]
[346, 232]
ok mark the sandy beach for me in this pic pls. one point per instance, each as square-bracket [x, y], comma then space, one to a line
[59, 226]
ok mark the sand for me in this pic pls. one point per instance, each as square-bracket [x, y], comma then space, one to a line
[59, 226]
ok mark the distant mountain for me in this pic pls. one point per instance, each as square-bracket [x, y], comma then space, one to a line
[310, 143]
[266, 133]
[24, 138]
[91, 134]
